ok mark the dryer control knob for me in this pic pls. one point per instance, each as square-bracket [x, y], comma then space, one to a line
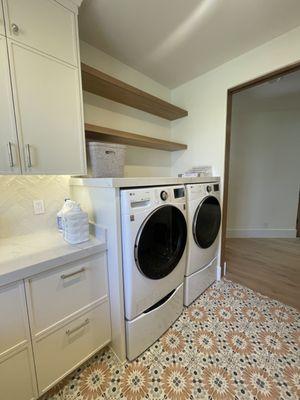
[208, 188]
[164, 195]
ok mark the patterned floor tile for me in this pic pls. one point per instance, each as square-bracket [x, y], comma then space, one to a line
[254, 383]
[212, 381]
[176, 382]
[231, 343]
[288, 380]
[174, 347]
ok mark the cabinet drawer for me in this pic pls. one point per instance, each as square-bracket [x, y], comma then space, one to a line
[13, 316]
[16, 381]
[58, 293]
[44, 25]
[61, 351]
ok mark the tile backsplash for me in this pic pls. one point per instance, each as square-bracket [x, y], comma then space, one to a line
[16, 202]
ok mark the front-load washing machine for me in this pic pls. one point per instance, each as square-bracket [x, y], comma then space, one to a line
[204, 220]
[154, 235]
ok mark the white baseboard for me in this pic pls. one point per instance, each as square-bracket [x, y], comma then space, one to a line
[261, 233]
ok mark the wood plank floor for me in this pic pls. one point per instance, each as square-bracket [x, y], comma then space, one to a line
[269, 266]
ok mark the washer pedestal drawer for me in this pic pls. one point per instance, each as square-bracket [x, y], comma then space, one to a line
[196, 283]
[154, 322]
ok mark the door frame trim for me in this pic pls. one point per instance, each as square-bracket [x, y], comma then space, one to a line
[230, 92]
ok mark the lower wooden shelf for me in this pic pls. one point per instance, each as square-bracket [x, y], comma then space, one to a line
[103, 134]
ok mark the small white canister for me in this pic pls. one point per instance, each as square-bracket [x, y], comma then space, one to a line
[75, 224]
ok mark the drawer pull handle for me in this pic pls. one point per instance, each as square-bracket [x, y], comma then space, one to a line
[110, 152]
[65, 276]
[29, 162]
[10, 154]
[70, 331]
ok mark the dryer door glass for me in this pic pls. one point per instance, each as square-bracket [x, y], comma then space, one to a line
[207, 222]
[161, 242]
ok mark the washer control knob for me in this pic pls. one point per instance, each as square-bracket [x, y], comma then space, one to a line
[208, 188]
[164, 195]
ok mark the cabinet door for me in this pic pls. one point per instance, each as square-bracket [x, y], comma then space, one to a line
[9, 154]
[48, 108]
[17, 378]
[2, 28]
[44, 25]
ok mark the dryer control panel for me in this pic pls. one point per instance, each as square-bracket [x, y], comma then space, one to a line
[202, 190]
[210, 188]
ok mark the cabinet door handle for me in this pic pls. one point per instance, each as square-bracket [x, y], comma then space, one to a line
[28, 156]
[65, 276]
[84, 323]
[10, 154]
[15, 28]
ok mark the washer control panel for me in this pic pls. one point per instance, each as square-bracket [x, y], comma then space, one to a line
[136, 200]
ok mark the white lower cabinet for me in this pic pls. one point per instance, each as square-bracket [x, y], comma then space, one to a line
[36, 352]
[69, 316]
[59, 350]
[17, 377]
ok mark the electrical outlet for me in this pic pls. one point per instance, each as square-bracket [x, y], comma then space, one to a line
[38, 207]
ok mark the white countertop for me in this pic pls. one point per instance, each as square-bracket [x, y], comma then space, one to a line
[26, 255]
[138, 181]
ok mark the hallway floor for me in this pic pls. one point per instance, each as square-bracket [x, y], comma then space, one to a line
[230, 344]
[269, 266]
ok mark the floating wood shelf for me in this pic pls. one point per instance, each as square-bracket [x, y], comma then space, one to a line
[94, 132]
[101, 84]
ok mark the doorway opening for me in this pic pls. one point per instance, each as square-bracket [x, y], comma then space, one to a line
[261, 187]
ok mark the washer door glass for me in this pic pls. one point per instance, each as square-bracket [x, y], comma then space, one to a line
[207, 222]
[161, 242]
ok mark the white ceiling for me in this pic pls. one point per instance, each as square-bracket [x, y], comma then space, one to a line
[173, 41]
[277, 94]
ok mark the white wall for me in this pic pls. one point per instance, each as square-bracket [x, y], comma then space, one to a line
[104, 112]
[205, 99]
[264, 173]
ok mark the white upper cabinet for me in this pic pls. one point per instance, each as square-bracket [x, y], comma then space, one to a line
[44, 25]
[9, 154]
[2, 28]
[41, 110]
[47, 97]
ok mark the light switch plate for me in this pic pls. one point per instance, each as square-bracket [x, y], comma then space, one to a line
[38, 207]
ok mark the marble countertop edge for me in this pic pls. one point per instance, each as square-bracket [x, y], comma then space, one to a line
[48, 250]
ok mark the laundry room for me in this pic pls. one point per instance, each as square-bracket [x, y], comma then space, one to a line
[118, 176]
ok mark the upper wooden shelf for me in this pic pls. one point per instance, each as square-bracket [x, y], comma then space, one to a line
[104, 85]
[104, 134]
